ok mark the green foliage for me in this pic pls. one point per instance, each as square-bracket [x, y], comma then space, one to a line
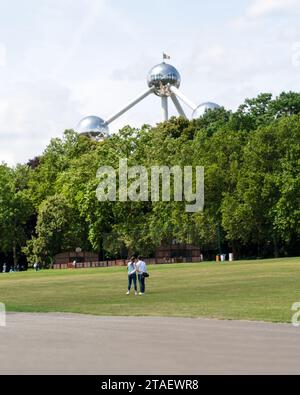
[252, 185]
[265, 205]
[15, 208]
[56, 229]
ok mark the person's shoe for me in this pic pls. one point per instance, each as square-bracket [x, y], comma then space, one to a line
[141, 294]
[128, 293]
[136, 294]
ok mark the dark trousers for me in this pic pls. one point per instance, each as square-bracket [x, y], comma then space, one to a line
[132, 278]
[142, 283]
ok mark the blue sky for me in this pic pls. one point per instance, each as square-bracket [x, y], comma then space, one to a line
[62, 60]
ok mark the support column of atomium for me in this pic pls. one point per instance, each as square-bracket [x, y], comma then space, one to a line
[165, 109]
[178, 106]
[129, 106]
[181, 96]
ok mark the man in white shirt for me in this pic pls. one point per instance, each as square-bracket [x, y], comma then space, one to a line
[141, 269]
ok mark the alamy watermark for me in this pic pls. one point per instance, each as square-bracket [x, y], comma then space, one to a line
[161, 183]
[296, 316]
[2, 315]
[3, 55]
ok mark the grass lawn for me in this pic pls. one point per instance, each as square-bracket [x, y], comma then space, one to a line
[256, 290]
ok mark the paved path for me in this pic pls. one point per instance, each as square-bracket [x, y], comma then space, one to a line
[75, 344]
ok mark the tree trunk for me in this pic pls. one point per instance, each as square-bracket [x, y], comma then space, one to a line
[15, 254]
[235, 252]
[276, 253]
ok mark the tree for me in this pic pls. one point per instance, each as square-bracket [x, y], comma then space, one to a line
[264, 208]
[251, 161]
[15, 209]
[56, 230]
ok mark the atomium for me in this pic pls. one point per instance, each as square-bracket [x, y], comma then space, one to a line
[163, 76]
[164, 81]
[203, 108]
[93, 127]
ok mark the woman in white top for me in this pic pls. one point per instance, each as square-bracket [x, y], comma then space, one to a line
[132, 275]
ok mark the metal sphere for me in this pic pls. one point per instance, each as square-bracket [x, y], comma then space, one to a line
[162, 75]
[93, 127]
[203, 108]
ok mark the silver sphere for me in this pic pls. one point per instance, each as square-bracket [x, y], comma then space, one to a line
[203, 108]
[162, 75]
[93, 127]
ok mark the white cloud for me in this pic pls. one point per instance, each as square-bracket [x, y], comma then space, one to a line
[3, 55]
[259, 8]
[296, 54]
[30, 115]
[93, 12]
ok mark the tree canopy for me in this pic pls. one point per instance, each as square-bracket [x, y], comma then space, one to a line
[252, 188]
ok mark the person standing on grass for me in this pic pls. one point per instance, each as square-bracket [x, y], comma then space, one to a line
[142, 274]
[132, 275]
[36, 266]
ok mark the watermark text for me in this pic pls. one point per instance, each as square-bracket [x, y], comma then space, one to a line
[2, 315]
[160, 183]
[296, 316]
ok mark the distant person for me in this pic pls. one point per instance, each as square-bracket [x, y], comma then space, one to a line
[36, 266]
[131, 266]
[4, 268]
[142, 274]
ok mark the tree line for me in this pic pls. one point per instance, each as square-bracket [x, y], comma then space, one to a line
[252, 188]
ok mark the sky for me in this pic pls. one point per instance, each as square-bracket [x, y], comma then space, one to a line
[63, 60]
